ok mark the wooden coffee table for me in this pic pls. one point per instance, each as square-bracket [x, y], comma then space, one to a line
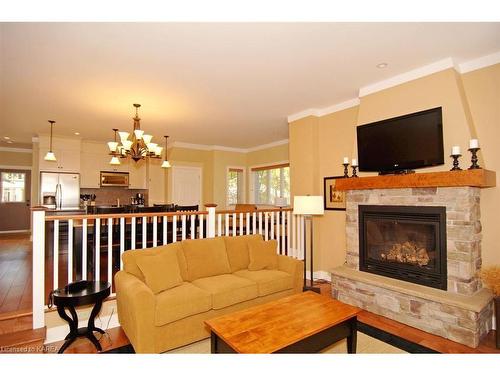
[301, 323]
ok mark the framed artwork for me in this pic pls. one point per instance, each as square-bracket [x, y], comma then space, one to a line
[334, 199]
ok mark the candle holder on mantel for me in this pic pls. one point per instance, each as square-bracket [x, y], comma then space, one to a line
[474, 159]
[346, 170]
[455, 162]
[354, 167]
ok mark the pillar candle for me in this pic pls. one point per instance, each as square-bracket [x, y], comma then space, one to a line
[346, 160]
[455, 150]
[474, 143]
[354, 163]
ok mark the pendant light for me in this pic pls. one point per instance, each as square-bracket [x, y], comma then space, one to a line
[50, 154]
[113, 151]
[165, 163]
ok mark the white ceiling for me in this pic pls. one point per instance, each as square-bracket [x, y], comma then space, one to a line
[207, 83]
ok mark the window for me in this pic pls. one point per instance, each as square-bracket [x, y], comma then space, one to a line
[13, 187]
[235, 186]
[271, 182]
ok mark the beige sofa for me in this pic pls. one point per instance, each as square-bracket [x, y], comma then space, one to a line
[214, 280]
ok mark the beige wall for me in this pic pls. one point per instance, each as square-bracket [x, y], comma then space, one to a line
[482, 90]
[470, 108]
[16, 159]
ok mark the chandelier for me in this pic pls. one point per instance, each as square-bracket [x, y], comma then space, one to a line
[136, 145]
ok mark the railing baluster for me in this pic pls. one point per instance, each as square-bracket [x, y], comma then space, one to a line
[110, 251]
[241, 224]
[97, 231]
[226, 224]
[144, 232]
[122, 240]
[277, 225]
[165, 222]
[260, 222]
[283, 234]
[132, 235]
[234, 227]
[254, 223]
[266, 226]
[294, 237]
[155, 230]
[193, 219]
[288, 233]
[70, 250]
[248, 223]
[174, 228]
[56, 255]
[219, 225]
[183, 227]
[201, 233]
[84, 249]
[271, 214]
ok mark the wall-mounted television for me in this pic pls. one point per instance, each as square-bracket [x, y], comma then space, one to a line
[401, 143]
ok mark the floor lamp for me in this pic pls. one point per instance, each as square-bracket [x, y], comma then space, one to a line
[308, 205]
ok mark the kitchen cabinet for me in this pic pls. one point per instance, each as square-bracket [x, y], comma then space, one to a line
[156, 182]
[67, 152]
[138, 174]
[91, 165]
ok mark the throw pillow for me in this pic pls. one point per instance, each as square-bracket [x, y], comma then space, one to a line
[161, 271]
[263, 255]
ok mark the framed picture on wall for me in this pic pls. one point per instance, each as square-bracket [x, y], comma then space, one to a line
[333, 198]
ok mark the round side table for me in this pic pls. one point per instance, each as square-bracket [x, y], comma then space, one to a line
[87, 293]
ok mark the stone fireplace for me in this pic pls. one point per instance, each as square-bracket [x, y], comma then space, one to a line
[413, 255]
[404, 242]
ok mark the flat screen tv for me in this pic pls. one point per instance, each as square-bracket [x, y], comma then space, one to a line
[401, 143]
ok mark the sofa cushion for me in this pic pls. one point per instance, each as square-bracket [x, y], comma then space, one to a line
[161, 271]
[228, 290]
[263, 255]
[130, 259]
[205, 257]
[180, 302]
[237, 250]
[268, 281]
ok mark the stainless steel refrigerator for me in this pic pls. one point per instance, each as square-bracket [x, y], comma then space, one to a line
[60, 190]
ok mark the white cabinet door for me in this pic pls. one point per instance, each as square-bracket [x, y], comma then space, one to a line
[156, 182]
[91, 165]
[66, 160]
[138, 174]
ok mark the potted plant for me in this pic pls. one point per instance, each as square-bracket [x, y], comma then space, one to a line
[491, 278]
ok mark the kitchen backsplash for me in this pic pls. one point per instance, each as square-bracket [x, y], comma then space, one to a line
[109, 195]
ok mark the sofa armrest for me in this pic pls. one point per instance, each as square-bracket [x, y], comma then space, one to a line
[136, 307]
[294, 267]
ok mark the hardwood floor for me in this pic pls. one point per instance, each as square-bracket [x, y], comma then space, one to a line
[16, 319]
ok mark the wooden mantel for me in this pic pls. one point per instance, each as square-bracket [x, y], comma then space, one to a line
[481, 178]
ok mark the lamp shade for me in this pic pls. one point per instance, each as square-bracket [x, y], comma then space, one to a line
[308, 205]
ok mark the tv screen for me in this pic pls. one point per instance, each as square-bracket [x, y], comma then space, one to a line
[401, 143]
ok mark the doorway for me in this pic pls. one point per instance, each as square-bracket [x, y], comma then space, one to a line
[186, 186]
[15, 195]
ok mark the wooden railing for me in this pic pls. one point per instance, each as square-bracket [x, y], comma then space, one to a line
[67, 248]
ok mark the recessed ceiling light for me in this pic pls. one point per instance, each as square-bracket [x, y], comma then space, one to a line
[7, 138]
[382, 65]
[76, 133]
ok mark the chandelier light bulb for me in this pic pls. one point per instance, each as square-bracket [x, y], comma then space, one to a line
[123, 136]
[151, 146]
[113, 146]
[147, 138]
[138, 133]
[127, 145]
[158, 150]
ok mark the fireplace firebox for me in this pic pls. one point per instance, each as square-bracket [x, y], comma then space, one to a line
[404, 242]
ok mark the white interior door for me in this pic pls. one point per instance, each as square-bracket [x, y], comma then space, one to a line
[186, 186]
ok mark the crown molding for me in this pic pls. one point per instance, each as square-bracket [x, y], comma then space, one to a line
[411, 75]
[479, 63]
[438, 66]
[16, 149]
[318, 112]
[195, 146]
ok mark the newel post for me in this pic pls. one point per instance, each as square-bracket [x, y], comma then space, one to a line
[38, 235]
[211, 220]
